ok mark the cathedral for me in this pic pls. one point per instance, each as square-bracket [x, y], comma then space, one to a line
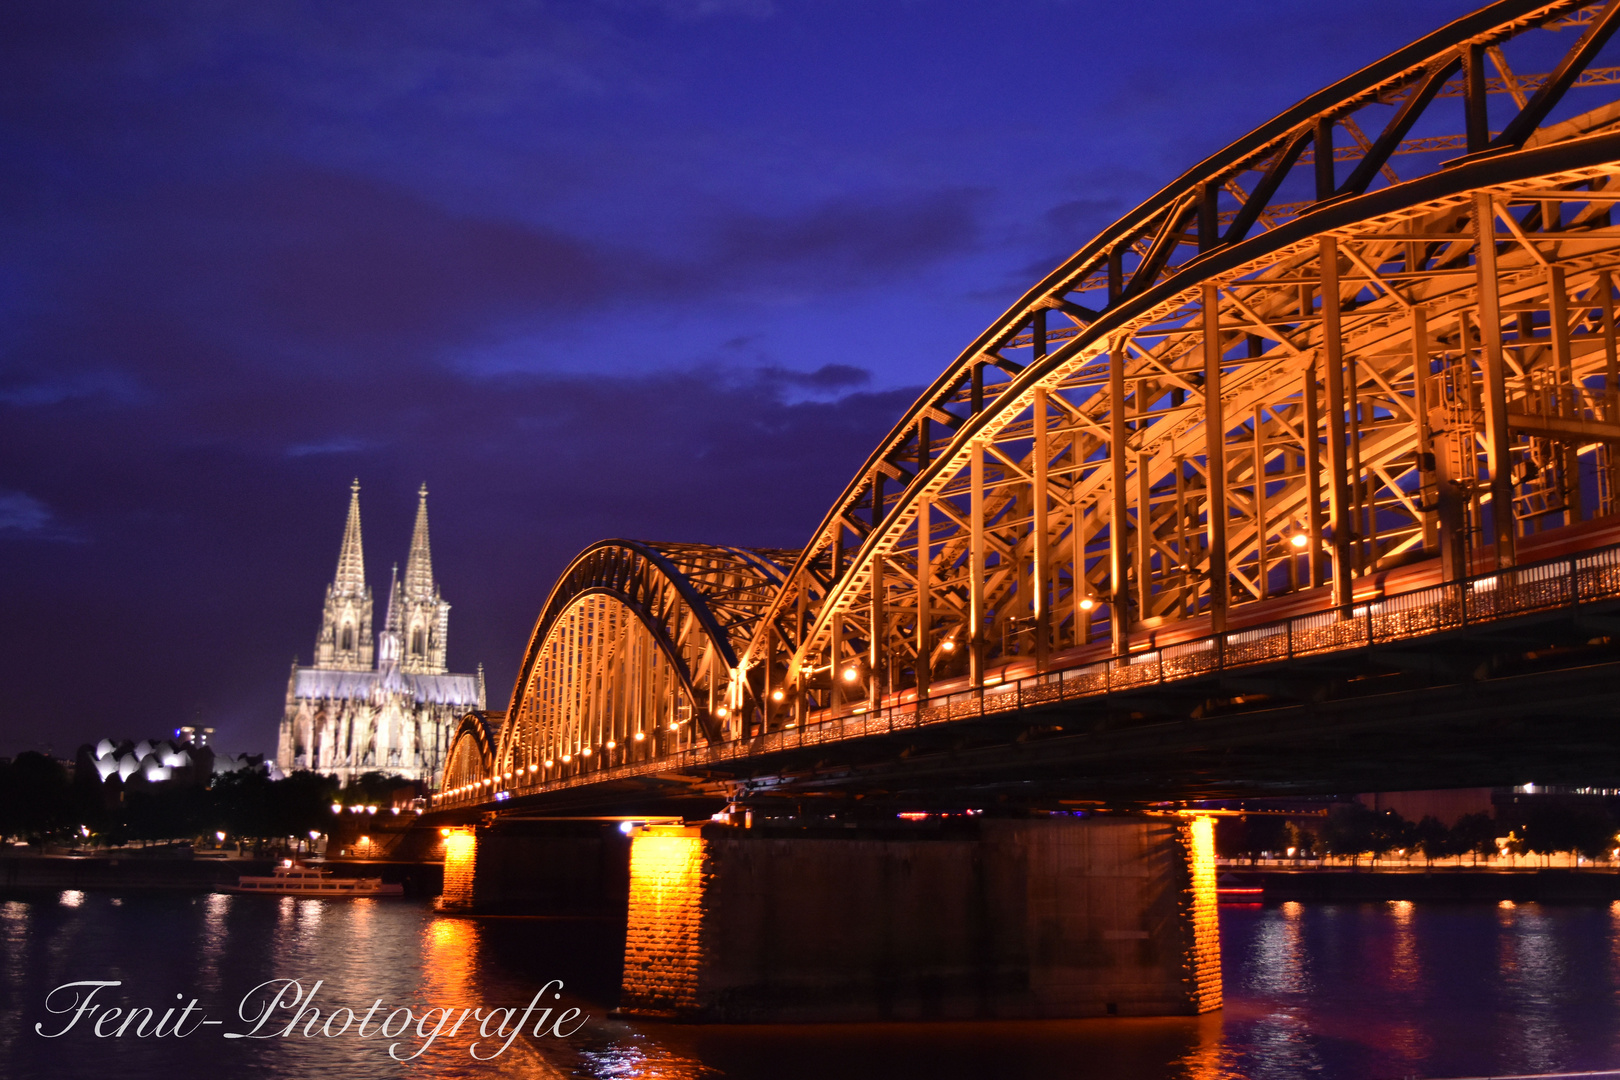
[387, 706]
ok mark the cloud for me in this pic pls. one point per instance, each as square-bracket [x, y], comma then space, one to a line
[329, 446]
[22, 513]
[852, 240]
[216, 541]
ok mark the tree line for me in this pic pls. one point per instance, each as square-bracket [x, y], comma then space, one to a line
[40, 802]
[1352, 830]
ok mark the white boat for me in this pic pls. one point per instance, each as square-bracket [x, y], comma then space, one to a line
[296, 879]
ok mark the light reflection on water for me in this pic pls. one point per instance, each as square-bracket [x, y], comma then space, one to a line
[1337, 991]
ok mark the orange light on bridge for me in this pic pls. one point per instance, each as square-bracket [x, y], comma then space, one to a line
[777, 695]
[612, 745]
[640, 735]
[1087, 603]
[1299, 540]
[535, 768]
[567, 758]
[850, 674]
[549, 763]
[722, 712]
[950, 646]
[586, 752]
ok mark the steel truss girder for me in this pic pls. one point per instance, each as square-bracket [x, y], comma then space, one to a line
[1375, 369]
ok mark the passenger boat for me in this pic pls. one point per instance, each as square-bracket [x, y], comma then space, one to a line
[296, 879]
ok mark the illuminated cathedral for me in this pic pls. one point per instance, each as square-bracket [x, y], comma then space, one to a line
[386, 705]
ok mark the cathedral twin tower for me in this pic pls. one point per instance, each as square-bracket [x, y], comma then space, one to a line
[387, 706]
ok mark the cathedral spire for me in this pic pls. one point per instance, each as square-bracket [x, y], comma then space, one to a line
[351, 568]
[344, 642]
[424, 617]
[419, 564]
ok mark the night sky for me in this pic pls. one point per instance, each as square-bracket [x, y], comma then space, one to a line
[663, 269]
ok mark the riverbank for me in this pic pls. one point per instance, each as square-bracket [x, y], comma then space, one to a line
[1447, 884]
[125, 872]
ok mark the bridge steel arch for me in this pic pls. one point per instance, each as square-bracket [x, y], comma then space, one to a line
[632, 658]
[1401, 352]
[471, 760]
[1377, 329]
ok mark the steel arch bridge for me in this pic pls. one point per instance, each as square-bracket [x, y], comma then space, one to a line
[1368, 349]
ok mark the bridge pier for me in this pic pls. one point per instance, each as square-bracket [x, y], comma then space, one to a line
[1048, 917]
[556, 867]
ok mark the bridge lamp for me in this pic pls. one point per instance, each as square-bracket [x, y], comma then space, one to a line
[509, 776]
[612, 745]
[1087, 603]
[722, 712]
[850, 674]
[536, 768]
[586, 752]
[949, 645]
[640, 735]
[567, 758]
[1299, 540]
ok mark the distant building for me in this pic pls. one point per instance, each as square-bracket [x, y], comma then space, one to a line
[157, 761]
[387, 707]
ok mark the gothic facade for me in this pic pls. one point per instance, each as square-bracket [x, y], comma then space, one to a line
[388, 704]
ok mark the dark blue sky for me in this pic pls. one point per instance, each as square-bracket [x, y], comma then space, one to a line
[654, 268]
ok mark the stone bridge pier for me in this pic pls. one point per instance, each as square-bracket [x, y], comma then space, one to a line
[1046, 917]
[992, 918]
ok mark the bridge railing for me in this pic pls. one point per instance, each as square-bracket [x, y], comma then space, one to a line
[1538, 587]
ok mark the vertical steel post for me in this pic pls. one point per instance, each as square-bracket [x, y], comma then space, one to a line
[976, 612]
[1566, 393]
[878, 636]
[1260, 500]
[1498, 456]
[1045, 588]
[1313, 477]
[1144, 529]
[1338, 466]
[1215, 460]
[925, 586]
[1420, 423]
[1118, 591]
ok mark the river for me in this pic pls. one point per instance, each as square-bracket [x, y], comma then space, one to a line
[1351, 991]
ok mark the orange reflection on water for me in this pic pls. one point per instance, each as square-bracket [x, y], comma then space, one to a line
[449, 960]
[1405, 969]
[1210, 1058]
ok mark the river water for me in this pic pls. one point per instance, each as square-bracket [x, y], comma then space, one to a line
[1312, 990]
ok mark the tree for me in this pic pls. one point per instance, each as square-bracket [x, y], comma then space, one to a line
[1353, 829]
[36, 801]
[1557, 826]
[1434, 839]
[1475, 834]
